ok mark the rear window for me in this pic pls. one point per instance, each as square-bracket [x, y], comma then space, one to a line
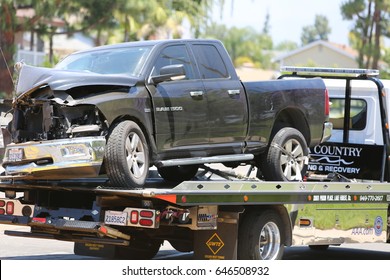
[211, 64]
[358, 115]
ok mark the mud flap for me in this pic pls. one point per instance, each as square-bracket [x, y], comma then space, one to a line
[105, 251]
[220, 244]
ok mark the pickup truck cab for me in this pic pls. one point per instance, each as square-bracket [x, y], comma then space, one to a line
[174, 104]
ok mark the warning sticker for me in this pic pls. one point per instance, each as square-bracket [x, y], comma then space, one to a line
[215, 243]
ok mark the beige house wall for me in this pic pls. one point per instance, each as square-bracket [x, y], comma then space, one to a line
[319, 56]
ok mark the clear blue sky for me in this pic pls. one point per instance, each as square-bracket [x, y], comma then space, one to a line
[287, 17]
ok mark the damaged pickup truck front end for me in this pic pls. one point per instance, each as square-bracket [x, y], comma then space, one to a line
[57, 130]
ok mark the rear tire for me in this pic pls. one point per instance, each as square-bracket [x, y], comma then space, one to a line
[261, 236]
[127, 156]
[286, 158]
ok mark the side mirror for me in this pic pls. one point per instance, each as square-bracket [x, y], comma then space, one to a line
[170, 73]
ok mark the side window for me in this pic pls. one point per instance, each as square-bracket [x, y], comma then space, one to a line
[210, 62]
[174, 55]
[358, 118]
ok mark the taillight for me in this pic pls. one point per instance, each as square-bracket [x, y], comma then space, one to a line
[146, 218]
[39, 220]
[134, 217]
[146, 214]
[143, 217]
[14, 207]
[146, 222]
[327, 103]
[9, 209]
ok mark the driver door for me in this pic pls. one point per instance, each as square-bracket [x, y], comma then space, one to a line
[180, 107]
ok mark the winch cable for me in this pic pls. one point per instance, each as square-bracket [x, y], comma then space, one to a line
[6, 64]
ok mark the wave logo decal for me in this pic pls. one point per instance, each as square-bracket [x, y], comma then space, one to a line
[339, 159]
[335, 161]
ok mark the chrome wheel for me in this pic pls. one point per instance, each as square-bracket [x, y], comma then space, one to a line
[135, 155]
[127, 156]
[269, 241]
[292, 160]
[286, 158]
[262, 236]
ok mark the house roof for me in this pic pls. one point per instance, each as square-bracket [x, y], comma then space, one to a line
[339, 48]
[28, 13]
[247, 74]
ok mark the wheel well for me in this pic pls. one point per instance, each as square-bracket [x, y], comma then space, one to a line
[292, 118]
[282, 211]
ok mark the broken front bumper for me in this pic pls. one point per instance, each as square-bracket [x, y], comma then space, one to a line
[55, 159]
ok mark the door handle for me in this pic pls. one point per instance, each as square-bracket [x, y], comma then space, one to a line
[232, 92]
[196, 93]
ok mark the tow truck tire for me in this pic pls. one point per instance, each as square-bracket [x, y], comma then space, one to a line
[286, 158]
[261, 236]
[178, 173]
[319, 247]
[127, 156]
[182, 246]
[138, 250]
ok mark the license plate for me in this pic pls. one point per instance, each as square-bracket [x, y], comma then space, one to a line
[115, 218]
[15, 154]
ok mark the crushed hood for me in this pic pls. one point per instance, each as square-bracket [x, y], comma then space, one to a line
[31, 77]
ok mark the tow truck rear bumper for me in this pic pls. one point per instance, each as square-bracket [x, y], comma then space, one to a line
[75, 231]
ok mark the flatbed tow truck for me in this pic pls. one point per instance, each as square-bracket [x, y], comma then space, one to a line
[217, 215]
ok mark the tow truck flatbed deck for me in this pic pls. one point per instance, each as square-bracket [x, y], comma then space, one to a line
[225, 192]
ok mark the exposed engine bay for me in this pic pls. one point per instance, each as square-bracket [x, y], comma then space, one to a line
[46, 134]
[55, 104]
[44, 119]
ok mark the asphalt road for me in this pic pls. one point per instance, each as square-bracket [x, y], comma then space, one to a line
[17, 248]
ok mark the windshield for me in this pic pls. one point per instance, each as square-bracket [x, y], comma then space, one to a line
[128, 60]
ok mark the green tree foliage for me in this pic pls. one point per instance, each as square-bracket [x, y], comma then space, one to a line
[286, 46]
[244, 45]
[385, 57]
[101, 19]
[145, 18]
[371, 23]
[7, 46]
[73, 16]
[319, 31]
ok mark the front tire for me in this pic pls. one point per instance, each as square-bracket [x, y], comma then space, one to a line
[261, 236]
[127, 156]
[286, 158]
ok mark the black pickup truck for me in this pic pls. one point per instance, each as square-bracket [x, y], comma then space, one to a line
[175, 104]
